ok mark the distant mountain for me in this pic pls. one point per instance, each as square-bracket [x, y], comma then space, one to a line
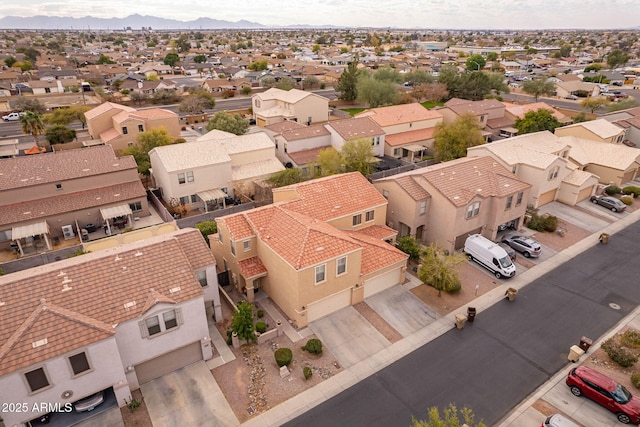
[136, 22]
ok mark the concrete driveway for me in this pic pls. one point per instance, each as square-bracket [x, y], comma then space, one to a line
[188, 396]
[405, 312]
[592, 222]
[349, 335]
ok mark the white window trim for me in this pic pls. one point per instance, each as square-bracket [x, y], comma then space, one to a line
[144, 331]
[246, 245]
[373, 215]
[338, 265]
[315, 274]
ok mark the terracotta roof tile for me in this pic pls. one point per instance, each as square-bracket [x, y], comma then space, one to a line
[398, 114]
[284, 126]
[362, 127]
[412, 187]
[376, 254]
[379, 231]
[410, 137]
[305, 132]
[304, 157]
[252, 267]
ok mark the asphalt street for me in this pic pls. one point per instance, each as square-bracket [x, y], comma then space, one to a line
[510, 350]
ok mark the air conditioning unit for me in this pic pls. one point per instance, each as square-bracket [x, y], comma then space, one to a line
[67, 232]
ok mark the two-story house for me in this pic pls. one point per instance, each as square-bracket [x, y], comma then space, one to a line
[600, 130]
[275, 105]
[447, 202]
[628, 119]
[320, 247]
[104, 322]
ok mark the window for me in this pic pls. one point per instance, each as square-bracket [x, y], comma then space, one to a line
[473, 210]
[246, 245]
[320, 273]
[285, 147]
[377, 140]
[233, 248]
[385, 194]
[190, 176]
[140, 128]
[224, 190]
[135, 206]
[509, 202]
[124, 130]
[357, 220]
[163, 322]
[153, 325]
[514, 169]
[373, 141]
[519, 199]
[5, 235]
[565, 153]
[184, 200]
[554, 173]
[181, 178]
[369, 216]
[79, 363]
[257, 103]
[170, 320]
[422, 208]
[202, 278]
[194, 198]
[37, 379]
[396, 152]
[341, 266]
[58, 186]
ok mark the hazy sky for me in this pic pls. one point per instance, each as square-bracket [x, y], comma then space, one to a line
[490, 14]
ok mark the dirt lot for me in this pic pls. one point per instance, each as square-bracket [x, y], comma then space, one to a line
[138, 417]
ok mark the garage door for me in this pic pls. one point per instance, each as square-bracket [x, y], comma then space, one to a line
[547, 197]
[463, 237]
[628, 176]
[168, 362]
[584, 193]
[261, 122]
[381, 282]
[328, 305]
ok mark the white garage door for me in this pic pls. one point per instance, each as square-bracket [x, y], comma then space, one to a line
[328, 305]
[168, 362]
[381, 282]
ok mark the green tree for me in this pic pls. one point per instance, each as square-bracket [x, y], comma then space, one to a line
[198, 100]
[286, 177]
[183, 44]
[138, 97]
[348, 82]
[10, 61]
[580, 117]
[329, 162]
[410, 246]
[616, 58]
[145, 142]
[242, 322]
[623, 105]
[451, 418]
[593, 67]
[310, 82]
[104, 59]
[419, 77]
[165, 96]
[594, 103]
[376, 92]
[492, 56]
[357, 155]
[438, 269]
[200, 59]
[268, 82]
[452, 140]
[475, 62]
[207, 228]
[536, 121]
[65, 116]
[224, 121]
[30, 104]
[538, 87]
[388, 74]
[497, 84]
[171, 59]
[60, 134]
[565, 50]
[260, 65]
[30, 53]
[286, 83]
[32, 124]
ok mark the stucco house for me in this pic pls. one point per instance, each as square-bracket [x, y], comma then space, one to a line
[447, 202]
[104, 322]
[490, 113]
[119, 125]
[51, 196]
[629, 120]
[321, 246]
[409, 129]
[597, 130]
[275, 105]
[541, 159]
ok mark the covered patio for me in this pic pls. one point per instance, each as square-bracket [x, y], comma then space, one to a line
[213, 199]
[119, 216]
[30, 238]
[414, 152]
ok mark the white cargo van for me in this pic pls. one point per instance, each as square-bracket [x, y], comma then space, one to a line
[489, 255]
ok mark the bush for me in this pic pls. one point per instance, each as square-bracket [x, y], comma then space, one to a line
[313, 346]
[307, 372]
[543, 223]
[612, 189]
[550, 223]
[630, 338]
[283, 356]
[627, 200]
[632, 190]
[261, 327]
[619, 354]
[132, 404]
[635, 380]
[260, 314]
[229, 333]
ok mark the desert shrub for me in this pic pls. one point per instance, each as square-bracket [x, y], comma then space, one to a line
[632, 190]
[543, 223]
[313, 346]
[630, 338]
[132, 404]
[229, 334]
[260, 314]
[261, 327]
[612, 189]
[627, 200]
[635, 380]
[550, 223]
[621, 355]
[307, 372]
[283, 356]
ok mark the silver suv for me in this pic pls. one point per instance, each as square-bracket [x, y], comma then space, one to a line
[526, 245]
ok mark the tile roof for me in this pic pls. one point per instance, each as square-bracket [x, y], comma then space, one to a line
[256, 169]
[600, 127]
[58, 166]
[409, 137]
[399, 114]
[84, 297]
[154, 113]
[363, 127]
[304, 157]
[519, 110]
[305, 132]
[462, 106]
[292, 95]
[376, 254]
[380, 232]
[252, 267]
[412, 187]
[285, 125]
[104, 107]
[190, 155]
[617, 156]
[245, 143]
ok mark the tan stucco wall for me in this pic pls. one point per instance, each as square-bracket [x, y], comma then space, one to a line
[346, 222]
[405, 127]
[581, 132]
[402, 207]
[608, 175]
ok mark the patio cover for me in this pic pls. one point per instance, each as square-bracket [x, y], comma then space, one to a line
[29, 230]
[214, 194]
[115, 211]
[414, 147]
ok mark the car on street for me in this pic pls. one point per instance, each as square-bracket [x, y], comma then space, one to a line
[527, 246]
[571, 97]
[606, 392]
[609, 202]
[11, 117]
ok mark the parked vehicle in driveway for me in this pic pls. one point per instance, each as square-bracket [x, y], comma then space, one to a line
[557, 420]
[609, 202]
[523, 244]
[89, 403]
[606, 392]
[490, 255]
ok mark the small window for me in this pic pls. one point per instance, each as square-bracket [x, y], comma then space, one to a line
[5, 235]
[519, 199]
[233, 248]
[194, 198]
[565, 153]
[135, 206]
[246, 245]
[202, 278]
[554, 173]
[224, 190]
[124, 130]
[320, 273]
[58, 186]
[422, 208]
[170, 320]
[190, 176]
[514, 169]
[369, 216]
[184, 200]
[140, 128]
[37, 379]
[257, 103]
[79, 363]
[396, 152]
[357, 220]
[341, 266]
[509, 202]
[153, 325]
[285, 147]
[181, 178]
[473, 210]
[385, 194]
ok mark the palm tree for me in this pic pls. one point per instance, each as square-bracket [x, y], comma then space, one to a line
[32, 124]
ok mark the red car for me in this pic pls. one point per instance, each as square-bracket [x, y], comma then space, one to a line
[603, 390]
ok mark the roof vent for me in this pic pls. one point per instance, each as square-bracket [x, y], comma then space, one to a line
[27, 213]
[86, 170]
[129, 305]
[116, 195]
[124, 268]
[39, 343]
[2, 303]
[62, 273]
[479, 190]
[117, 258]
[174, 290]
[319, 248]
[66, 287]
[138, 253]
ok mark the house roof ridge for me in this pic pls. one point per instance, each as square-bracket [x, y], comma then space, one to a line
[154, 298]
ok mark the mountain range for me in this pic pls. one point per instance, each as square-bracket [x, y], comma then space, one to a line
[135, 22]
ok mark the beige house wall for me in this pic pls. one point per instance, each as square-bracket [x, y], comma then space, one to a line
[313, 107]
[402, 208]
[405, 127]
[252, 156]
[346, 222]
[582, 132]
[101, 123]
[607, 175]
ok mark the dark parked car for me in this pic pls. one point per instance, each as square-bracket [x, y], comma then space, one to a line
[606, 392]
[609, 202]
[526, 245]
